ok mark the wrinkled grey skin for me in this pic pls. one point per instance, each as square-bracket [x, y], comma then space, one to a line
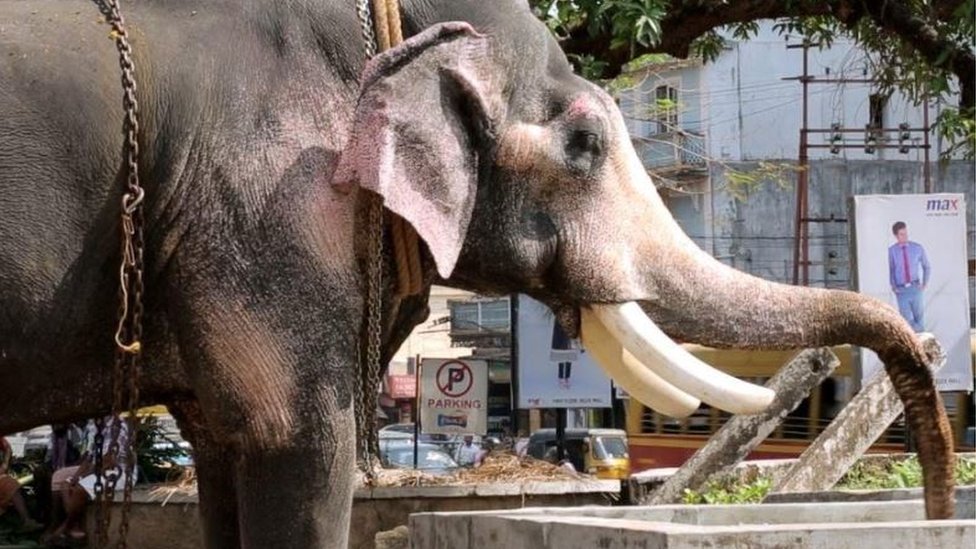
[257, 162]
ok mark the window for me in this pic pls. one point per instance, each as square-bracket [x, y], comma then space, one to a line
[877, 104]
[480, 315]
[464, 316]
[495, 315]
[665, 108]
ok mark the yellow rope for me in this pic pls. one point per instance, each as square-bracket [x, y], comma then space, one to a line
[406, 243]
[381, 18]
[399, 228]
[396, 33]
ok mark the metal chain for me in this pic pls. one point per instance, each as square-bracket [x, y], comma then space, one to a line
[366, 386]
[99, 488]
[366, 24]
[374, 333]
[128, 334]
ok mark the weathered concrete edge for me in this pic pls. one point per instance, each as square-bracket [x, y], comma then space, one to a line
[418, 520]
[534, 488]
[470, 531]
[143, 494]
[679, 513]
[963, 493]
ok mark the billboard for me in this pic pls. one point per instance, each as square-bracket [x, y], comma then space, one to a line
[554, 371]
[453, 396]
[910, 251]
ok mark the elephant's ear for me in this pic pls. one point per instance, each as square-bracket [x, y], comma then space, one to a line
[425, 106]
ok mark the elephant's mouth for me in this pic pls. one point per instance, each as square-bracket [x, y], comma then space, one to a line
[653, 368]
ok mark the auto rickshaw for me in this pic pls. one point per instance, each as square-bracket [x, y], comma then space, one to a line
[599, 452]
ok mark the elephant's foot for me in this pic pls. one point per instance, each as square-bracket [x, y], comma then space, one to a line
[215, 466]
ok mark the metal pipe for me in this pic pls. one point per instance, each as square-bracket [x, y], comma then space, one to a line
[416, 412]
[861, 146]
[861, 130]
[815, 80]
[926, 168]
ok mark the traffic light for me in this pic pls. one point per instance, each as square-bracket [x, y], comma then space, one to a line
[870, 139]
[835, 138]
[904, 135]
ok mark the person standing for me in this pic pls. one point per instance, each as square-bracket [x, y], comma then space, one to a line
[908, 272]
[10, 493]
[468, 452]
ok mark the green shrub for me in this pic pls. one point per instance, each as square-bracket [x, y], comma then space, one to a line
[719, 492]
[899, 473]
[870, 475]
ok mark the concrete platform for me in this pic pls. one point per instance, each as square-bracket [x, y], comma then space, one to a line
[173, 522]
[849, 525]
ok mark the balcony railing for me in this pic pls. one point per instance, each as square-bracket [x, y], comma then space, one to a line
[671, 150]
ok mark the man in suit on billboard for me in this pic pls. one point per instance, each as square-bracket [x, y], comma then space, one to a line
[908, 273]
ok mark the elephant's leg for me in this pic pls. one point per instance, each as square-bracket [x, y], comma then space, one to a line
[305, 482]
[284, 402]
[215, 464]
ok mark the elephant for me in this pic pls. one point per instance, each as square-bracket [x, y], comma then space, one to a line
[264, 137]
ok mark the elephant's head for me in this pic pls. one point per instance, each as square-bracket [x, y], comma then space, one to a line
[520, 176]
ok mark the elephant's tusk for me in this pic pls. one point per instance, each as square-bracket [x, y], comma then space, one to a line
[639, 335]
[626, 371]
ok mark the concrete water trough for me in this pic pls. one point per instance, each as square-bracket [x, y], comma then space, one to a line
[843, 525]
[169, 519]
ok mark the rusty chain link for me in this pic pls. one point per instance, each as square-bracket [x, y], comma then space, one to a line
[99, 487]
[366, 386]
[128, 333]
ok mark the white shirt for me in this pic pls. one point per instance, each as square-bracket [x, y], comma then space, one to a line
[468, 453]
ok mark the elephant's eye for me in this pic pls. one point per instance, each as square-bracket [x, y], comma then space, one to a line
[584, 150]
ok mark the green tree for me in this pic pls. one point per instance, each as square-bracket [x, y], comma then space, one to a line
[915, 46]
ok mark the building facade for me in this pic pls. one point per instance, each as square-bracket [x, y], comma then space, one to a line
[704, 130]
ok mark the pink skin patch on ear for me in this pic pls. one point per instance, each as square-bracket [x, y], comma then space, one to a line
[581, 107]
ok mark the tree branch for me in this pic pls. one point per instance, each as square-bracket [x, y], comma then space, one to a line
[896, 18]
[688, 19]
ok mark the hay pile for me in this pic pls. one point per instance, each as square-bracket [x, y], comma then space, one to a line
[185, 485]
[498, 467]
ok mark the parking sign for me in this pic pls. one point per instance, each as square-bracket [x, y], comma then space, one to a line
[454, 396]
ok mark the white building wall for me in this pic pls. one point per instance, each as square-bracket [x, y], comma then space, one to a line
[431, 338]
[752, 113]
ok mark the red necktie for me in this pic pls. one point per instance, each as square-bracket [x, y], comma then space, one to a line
[908, 270]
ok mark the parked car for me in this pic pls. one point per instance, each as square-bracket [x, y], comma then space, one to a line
[17, 442]
[398, 454]
[395, 435]
[36, 442]
[599, 452]
[407, 428]
[405, 431]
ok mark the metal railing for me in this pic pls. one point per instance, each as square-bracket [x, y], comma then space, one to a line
[671, 149]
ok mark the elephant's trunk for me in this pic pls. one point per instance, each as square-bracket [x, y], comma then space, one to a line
[703, 301]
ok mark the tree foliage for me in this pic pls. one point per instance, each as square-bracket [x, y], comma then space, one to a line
[920, 47]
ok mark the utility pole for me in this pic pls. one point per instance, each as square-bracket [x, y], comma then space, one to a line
[801, 231]
[872, 143]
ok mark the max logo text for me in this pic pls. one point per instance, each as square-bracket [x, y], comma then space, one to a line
[942, 205]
